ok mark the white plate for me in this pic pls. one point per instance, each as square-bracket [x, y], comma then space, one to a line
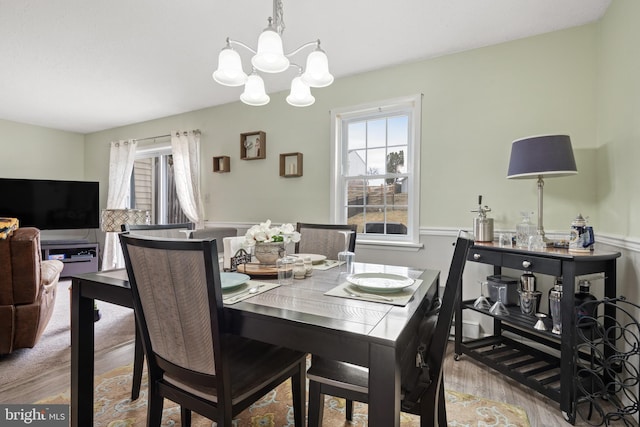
[232, 280]
[315, 258]
[380, 282]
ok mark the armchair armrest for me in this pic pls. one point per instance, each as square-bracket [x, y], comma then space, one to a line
[50, 272]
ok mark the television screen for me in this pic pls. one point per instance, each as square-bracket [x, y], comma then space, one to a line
[50, 204]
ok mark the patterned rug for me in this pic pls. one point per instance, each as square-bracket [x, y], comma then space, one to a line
[113, 408]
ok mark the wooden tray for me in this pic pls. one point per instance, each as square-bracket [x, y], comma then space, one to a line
[257, 270]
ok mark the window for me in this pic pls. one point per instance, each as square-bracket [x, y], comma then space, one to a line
[375, 169]
[153, 186]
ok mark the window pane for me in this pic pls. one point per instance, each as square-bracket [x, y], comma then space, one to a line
[153, 188]
[142, 196]
[376, 161]
[357, 163]
[396, 163]
[357, 135]
[376, 133]
[398, 130]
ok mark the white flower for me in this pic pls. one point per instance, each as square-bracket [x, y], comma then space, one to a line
[263, 232]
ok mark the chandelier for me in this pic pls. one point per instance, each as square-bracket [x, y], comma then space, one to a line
[270, 58]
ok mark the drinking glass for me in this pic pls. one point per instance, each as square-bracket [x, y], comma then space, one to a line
[504, 240]
[284, 266]
[482, 302]
[536, 243]
[346, 258]
[498, 308]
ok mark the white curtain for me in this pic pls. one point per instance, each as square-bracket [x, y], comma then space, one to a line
[185, 148]
[120, 167]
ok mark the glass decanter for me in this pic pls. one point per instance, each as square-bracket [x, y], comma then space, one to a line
[524, 230]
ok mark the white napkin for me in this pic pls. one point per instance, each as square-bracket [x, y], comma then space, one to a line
[231, 246]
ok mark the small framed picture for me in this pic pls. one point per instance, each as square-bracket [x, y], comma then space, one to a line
[253, 145]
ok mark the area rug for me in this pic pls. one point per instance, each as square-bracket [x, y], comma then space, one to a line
[113, 408]
[54, 347]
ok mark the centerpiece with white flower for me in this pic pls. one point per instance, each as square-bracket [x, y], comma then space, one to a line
[269, 242]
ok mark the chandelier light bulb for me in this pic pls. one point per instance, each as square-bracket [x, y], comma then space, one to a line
[229, 72]
[254, 93]
[300, 95]
[270, 55]
[317, 70]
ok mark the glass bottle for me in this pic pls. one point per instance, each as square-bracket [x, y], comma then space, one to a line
[585, 304]
[524, 229]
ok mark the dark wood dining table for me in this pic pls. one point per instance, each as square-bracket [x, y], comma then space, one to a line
[299, 316]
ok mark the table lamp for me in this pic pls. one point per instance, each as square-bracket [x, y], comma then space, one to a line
[539, 157]
[112, 219]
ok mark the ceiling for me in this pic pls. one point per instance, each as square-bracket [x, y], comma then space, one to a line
[89, 65]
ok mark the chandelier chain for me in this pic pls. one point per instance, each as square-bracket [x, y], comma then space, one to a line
[278, 16]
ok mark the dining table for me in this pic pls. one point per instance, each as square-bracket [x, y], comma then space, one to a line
[319, 315]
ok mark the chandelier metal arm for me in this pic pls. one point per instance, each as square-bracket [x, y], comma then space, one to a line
[239, 43]
[313, 43]
[231, 41]
[300, 68]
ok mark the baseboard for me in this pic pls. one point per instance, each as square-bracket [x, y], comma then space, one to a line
[470, 329]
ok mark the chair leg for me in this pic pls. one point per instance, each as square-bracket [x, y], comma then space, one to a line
[298, 391]
[154, 409]
[316, 405]
[442, 407]
[185, 417]
[138, 364]
[349, 409]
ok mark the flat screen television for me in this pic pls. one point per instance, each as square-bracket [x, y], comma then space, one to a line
[51, 204]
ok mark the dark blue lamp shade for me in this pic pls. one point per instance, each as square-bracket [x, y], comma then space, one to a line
[546, 155]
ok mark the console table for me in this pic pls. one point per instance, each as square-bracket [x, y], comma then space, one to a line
[547, 364]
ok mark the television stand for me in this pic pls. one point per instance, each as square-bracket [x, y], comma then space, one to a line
[77, 257]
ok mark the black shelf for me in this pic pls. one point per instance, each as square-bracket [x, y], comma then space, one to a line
[533, 368]
[520, 321]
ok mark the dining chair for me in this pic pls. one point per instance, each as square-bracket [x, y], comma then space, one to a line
[422, 383]
[176, 231]
[192, 358]
[168, 231]
[325, 239]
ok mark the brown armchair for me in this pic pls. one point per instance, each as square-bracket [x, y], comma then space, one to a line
[27, 290]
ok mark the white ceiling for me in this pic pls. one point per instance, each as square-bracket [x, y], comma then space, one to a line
[89, 65]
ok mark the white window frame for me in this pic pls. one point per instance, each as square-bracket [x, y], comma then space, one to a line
[339, 116]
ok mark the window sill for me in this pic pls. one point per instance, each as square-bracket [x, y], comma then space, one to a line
[406, 246]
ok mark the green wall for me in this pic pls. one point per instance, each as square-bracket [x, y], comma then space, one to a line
[618, 110]
[41, 153]
[475, 103]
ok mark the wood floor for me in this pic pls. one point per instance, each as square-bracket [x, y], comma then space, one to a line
[464, 375]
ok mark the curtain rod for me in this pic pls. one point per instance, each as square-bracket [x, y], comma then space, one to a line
[162, 136]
